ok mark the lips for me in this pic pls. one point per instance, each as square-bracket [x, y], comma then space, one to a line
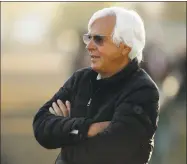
[94, 57]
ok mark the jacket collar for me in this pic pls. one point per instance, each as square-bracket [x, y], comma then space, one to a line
[124, 74]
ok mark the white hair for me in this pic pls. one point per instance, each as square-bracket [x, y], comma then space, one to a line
[129, 29]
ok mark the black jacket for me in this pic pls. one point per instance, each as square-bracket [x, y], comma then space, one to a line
[129, 99]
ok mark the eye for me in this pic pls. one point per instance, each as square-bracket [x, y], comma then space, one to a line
[98, 39]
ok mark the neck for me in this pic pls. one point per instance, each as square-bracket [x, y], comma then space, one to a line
[117, 69]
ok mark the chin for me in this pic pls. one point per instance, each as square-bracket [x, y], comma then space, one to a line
[96, 67]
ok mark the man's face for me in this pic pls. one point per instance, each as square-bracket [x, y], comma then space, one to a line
[105, 57]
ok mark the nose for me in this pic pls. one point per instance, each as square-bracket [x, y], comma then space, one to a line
[91, 45]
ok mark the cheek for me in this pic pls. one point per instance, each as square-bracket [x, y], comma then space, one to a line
[104, 50]
[108, 53]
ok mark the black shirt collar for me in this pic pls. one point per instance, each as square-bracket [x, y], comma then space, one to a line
[124, 74]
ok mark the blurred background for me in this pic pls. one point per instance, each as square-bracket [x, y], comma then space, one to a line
[41, 46]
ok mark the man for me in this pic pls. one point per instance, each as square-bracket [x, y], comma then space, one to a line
[106, 114]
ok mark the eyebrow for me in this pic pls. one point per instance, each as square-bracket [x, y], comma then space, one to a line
[93, 34]
[97, 34]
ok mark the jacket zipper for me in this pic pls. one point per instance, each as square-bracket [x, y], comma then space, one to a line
[90, 100]
[92, 96]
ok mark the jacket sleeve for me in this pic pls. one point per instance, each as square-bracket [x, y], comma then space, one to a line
[129, 131]
[54, 131]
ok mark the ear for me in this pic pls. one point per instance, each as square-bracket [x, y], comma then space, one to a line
[125, 49]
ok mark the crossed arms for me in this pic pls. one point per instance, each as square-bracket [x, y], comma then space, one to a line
[95, 142]
[60, 109]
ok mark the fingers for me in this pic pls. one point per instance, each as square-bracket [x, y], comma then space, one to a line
[68, 105]
[63, 108]
[52, 111]
[57, 110]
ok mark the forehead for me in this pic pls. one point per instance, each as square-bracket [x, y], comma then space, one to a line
[103, 26]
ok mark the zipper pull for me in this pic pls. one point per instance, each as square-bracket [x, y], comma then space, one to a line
[89, 102]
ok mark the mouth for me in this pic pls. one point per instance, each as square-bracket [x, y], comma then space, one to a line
[94, 57]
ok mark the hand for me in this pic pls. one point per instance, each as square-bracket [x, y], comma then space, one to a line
[95, 128]
[59, 109]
